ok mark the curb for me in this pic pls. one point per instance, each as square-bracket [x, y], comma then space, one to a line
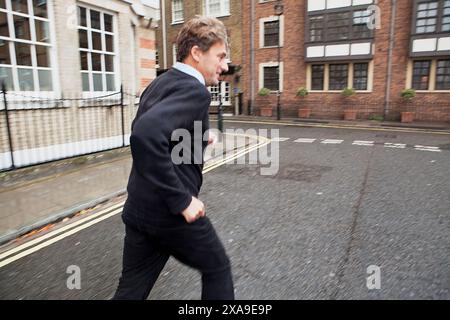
[56, 217]
[330, 123]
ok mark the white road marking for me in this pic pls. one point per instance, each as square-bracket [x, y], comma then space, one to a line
[395, 145]
[280, 139]
[427, 148]
[86, 222]
[363, 143]
[60, 230]
[305, 140]
[332, 141]
[60, 237]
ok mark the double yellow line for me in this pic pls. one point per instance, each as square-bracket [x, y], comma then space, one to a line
[34, 245]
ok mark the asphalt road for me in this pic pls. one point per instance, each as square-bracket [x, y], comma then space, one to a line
[308, 232]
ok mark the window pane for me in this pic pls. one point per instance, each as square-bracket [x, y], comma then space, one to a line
[360, 75]
[96, 41]
[40, 8]
[84, 60]
[20, 5]
[4, 25]
[45, 80]
[214, 7]
[426, 17]
[109, 63]
[421, 73]
[360, 24]
[338, 26]
[4, 52]
[83, 38]
[443, 75]
[25, 79]
[43, 56]
[22, 27]
[338, 76]
[23, 54]
[271, 78]
[109, 43]
[316, 25]
[42, 33]
[271, 33]
[6, 77]
[97, 82]
[108, 22]
[95, 19]
[317, 77]
[2, 4]
[110, 86]
[85, 81]
[82, 16]
[96, 61]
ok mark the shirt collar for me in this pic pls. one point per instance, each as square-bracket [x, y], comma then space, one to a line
[190, 71]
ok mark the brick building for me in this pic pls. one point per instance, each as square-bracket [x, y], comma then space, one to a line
[379, 48]
[175, 12]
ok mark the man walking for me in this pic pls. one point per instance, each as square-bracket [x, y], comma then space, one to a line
[163, 216]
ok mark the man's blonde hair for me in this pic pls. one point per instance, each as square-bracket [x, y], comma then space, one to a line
[200, 31]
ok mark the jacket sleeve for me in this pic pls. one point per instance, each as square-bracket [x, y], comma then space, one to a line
[150, 142]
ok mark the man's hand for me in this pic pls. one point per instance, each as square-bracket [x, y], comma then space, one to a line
[212, 138]
[195, 210]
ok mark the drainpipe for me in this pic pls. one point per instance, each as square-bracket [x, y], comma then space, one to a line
[387, 101]
[252, 57]
[164, 34]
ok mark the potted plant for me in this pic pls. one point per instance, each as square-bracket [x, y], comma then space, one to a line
[408, 95]
[303, 112]
[349, 114]
[266, 111]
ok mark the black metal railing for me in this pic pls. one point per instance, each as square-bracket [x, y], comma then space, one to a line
[37, 129]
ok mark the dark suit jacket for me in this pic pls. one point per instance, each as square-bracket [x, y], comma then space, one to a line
[158, 188]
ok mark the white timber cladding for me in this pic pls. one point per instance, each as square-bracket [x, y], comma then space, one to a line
[337, 50]
[424, 45]
[360, 48]
[444, 44]
[315, 51]
[340, 50]
[315, 5]
[261, 29]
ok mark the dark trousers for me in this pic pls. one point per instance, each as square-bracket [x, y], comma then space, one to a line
[148, 247]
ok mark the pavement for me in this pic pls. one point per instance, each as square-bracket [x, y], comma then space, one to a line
[36, 196]
[418, 125]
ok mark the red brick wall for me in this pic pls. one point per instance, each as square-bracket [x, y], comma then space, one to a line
[428, 106]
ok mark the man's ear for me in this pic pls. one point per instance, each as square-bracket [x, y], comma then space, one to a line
[196, 53]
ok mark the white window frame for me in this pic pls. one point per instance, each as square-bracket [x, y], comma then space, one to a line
[11, 39]
[176, 10]
[262, 30]
[156, 58]
[223, 11]
[224, 86]
[174, 53]
[350, 69]
[261, 74]
[116, 73]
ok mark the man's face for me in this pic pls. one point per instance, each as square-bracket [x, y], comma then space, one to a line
[212, 63]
